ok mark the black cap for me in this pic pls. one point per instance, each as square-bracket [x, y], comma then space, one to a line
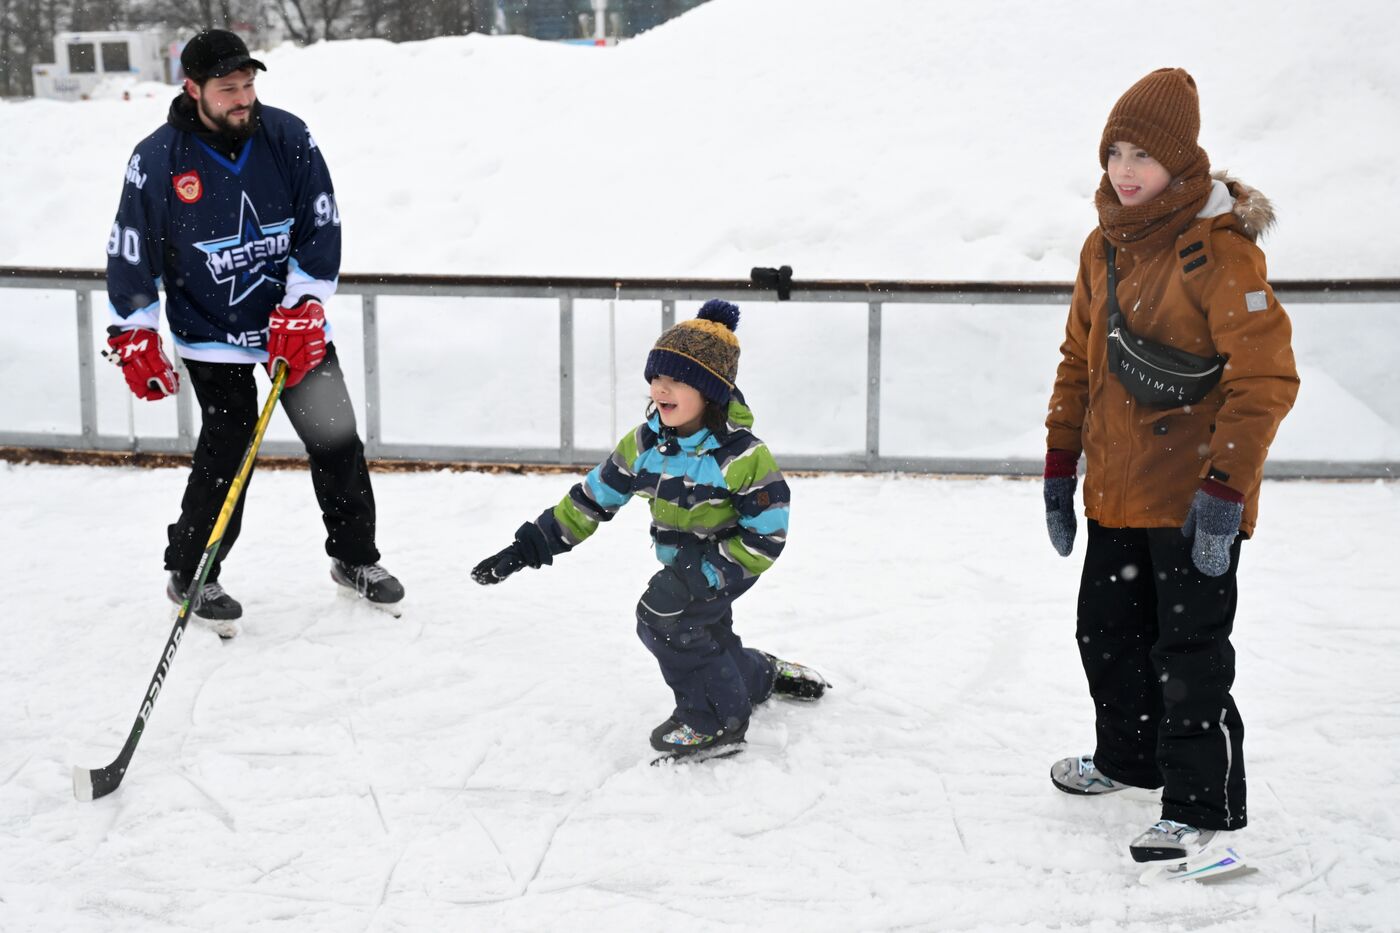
[215, 53]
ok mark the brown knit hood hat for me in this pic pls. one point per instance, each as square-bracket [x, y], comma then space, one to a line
[1162, 114]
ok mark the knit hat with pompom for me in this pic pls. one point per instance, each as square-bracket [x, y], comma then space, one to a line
[702, 352]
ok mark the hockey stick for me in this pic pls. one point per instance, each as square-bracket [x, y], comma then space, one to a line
[99, 782]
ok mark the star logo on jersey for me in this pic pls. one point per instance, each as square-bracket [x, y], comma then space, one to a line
[251, 256]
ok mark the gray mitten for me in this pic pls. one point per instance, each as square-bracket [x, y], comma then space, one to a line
[1059, 512]
[1214, 522]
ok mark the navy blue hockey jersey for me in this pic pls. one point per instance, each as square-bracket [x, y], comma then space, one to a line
[228, 238]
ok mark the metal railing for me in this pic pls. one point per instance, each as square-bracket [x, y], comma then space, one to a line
[567, 290]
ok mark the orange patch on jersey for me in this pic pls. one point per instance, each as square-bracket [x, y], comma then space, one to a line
[188, 187]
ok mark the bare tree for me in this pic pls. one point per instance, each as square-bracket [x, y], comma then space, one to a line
[370, 18]
[28, 40]
[92, 15]
[423, 19]
[7, 80]
[203, 14]
[308, 21]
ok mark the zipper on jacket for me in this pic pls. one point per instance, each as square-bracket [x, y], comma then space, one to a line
[1129, 434]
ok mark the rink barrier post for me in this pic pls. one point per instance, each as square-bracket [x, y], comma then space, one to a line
[370, 328]
[566, 379]
[87, 371]
[184, 408]
[873, 349]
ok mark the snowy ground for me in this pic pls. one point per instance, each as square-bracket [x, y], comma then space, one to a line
[481, 763]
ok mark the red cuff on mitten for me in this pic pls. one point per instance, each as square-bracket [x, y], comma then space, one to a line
[1060, 463]
[1213, 488]
[148, 372]
[298, 336]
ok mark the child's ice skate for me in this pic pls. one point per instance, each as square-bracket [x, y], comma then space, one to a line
[1179, 852]
[796, 680]
[680, 742]
[1079, 776]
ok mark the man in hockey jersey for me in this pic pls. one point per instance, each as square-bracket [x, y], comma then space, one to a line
[230, 206]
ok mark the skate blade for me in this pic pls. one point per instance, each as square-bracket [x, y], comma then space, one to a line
[1211, 865]
[391, 609]
[226, 629]
[712, 754]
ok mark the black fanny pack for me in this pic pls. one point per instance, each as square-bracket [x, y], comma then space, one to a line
[1153, 373]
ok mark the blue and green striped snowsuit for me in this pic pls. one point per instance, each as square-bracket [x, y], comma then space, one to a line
[722, 495]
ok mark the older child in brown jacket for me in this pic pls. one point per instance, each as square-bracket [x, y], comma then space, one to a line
[1172, 384]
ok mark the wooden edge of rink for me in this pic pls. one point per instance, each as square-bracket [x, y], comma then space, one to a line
[148, 460]
[58, 456]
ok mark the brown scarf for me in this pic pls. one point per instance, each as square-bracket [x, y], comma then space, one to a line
[1147, 226]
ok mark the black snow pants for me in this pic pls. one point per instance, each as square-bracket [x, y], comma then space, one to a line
[716, 680]
[321, 414]
[1154, 638]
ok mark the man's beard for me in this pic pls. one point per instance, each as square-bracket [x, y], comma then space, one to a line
[233, 132]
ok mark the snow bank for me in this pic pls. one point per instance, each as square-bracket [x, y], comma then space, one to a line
[894, 139]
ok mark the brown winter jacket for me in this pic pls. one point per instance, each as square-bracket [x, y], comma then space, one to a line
[1206, 293]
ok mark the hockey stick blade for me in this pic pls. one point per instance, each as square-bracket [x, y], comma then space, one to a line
[88, 784]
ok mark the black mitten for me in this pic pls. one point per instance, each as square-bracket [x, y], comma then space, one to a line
[529, 549]
[498, 566]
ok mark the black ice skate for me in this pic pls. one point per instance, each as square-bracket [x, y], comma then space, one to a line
[215, 608]
[370, 582]
[796, 680]
[682, 743]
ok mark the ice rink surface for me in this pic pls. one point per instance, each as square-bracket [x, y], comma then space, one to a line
[482, 762]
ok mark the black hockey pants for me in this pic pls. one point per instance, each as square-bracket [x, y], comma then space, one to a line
[1154, 637]
[320, 412]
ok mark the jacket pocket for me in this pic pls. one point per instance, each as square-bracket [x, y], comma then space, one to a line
[1185, 429]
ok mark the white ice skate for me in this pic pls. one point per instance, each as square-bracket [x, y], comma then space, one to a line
[1179, 852]
[1079, 776]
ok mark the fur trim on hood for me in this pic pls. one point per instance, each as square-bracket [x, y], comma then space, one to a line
[1254, 211]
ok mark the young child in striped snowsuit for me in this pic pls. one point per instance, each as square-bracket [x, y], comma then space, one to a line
[719, 508]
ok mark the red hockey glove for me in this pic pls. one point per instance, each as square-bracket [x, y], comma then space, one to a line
[137, 352]
[297, 335]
